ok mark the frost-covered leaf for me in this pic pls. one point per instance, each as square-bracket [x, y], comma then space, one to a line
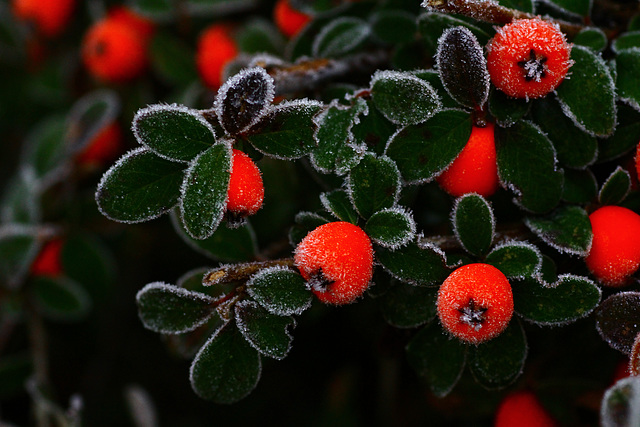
[566, 229]
[593, 38]
[341, 36]
[391, 228]
[141, 186]
[423, 151]
[337, 202]
[173, 132]
[60, 298]
[403, 98]
[336, 150]
[505, 109]
[286, 130]
[86, 260]
[304, 223]
[473, 223]
[46, 148]
[172, 59]
[433, 24]
[227, 368]
[373, 130]
[393, 25]
[432, 77]
[463, 67]
[204, 191]
[21, 200]
[18, 247]
[618, 320]
[568, 299]
[497, 363]
[281, 291]
[628, 79]
[574, 147]
[374, 184]
[615, 188]
[624, 41]
[619, 406]
[527, 164]
[577, 7]
[580, 186]
[420, 266]
[594, 112]
[516, 259]
[267, 333]
[244, 99]
[406, 306]
[437, 358]
[625, 137]
[170, 309]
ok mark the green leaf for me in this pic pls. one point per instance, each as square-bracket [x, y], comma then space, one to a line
[628, 40]
[287, 130]
[374, 184]
[574, 148]
[216, 7]
[618, 320]
[425, 150]
[391, 228]
[88, 116]
[393, 25]
[516, 259]
[406, 306]
[403, 98]
[21, 200]
[594, 113]
[341, 36]
[625, 138]
[373, 130]
[227, 368]
[172, 59]
[60, 298]
[497, 363]
[420, 266]
[19, 246]
[153, 8]
[433, 24]
[628, 79]
[593, 38]
[437, 357]
[169, 309]
[620, 402]
[473, 223]
[304, 223]
[173, 132]
[87, 261]
[580, 186]
[259, 35]
[281, 291]
[141, 186]
[565, 301]
[578, 7]
[567, 229]
[47, 147]
[505, 109]
[204, 191]
[523, 5]
[267, 333]
[463, 67]
[615, 188]
[432, 77]
[337, 202]
[527, 164]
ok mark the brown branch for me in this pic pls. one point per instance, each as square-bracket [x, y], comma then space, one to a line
[239, 272]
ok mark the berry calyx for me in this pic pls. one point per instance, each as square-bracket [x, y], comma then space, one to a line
[289, 20]
[49, 18]
[336, 260]
[523, 409]
[528, 58]
[475, 303]
[615, 249]
[475, 170]
[246, 191]
[216, 48]
[49, 261]
[103, 148]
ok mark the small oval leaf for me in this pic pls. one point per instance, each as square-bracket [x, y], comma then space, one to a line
[337, 203]
[473, 223]
[618, 320]
[420, 266]
[615, 188]
[374, 184]
[516, 259]
[281, 291]
[567, 229]
[341, 36]
[267, 333]
[406, 306]
[391, 228]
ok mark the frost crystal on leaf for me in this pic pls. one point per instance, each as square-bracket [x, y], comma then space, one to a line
[267, 333]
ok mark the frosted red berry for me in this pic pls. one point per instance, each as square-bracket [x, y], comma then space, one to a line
[336, 259]
[216, 47]
[528, 58]
[49, 261]
[103, 148]
[475, 303]
[246, 190]
[289, 20]
[475, 170]
[49, 17]
[522, 409]
[615, 249]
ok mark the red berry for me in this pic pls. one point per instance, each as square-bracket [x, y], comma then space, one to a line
[141, 25]
[289, 21]
[216, 48]
[48, 262]
[246, 191]
[104, 147]
[475, 169]
[475, 303]
[337, 261]
[528, 58]
[50, 17]
[637, 160]
[615, 250]
[114, 52]
[522, 409]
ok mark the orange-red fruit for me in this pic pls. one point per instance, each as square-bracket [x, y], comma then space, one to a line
[522, 409]
[49, 260]
[528, 58]
[246, 191]
[50, 17]
[216, 48]
[615, 250]
[141, 25]
[336, 259]
[114, 52]
[637, 159]
[475, 303]
[475, 170]
[104, 147]
[289, 21]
